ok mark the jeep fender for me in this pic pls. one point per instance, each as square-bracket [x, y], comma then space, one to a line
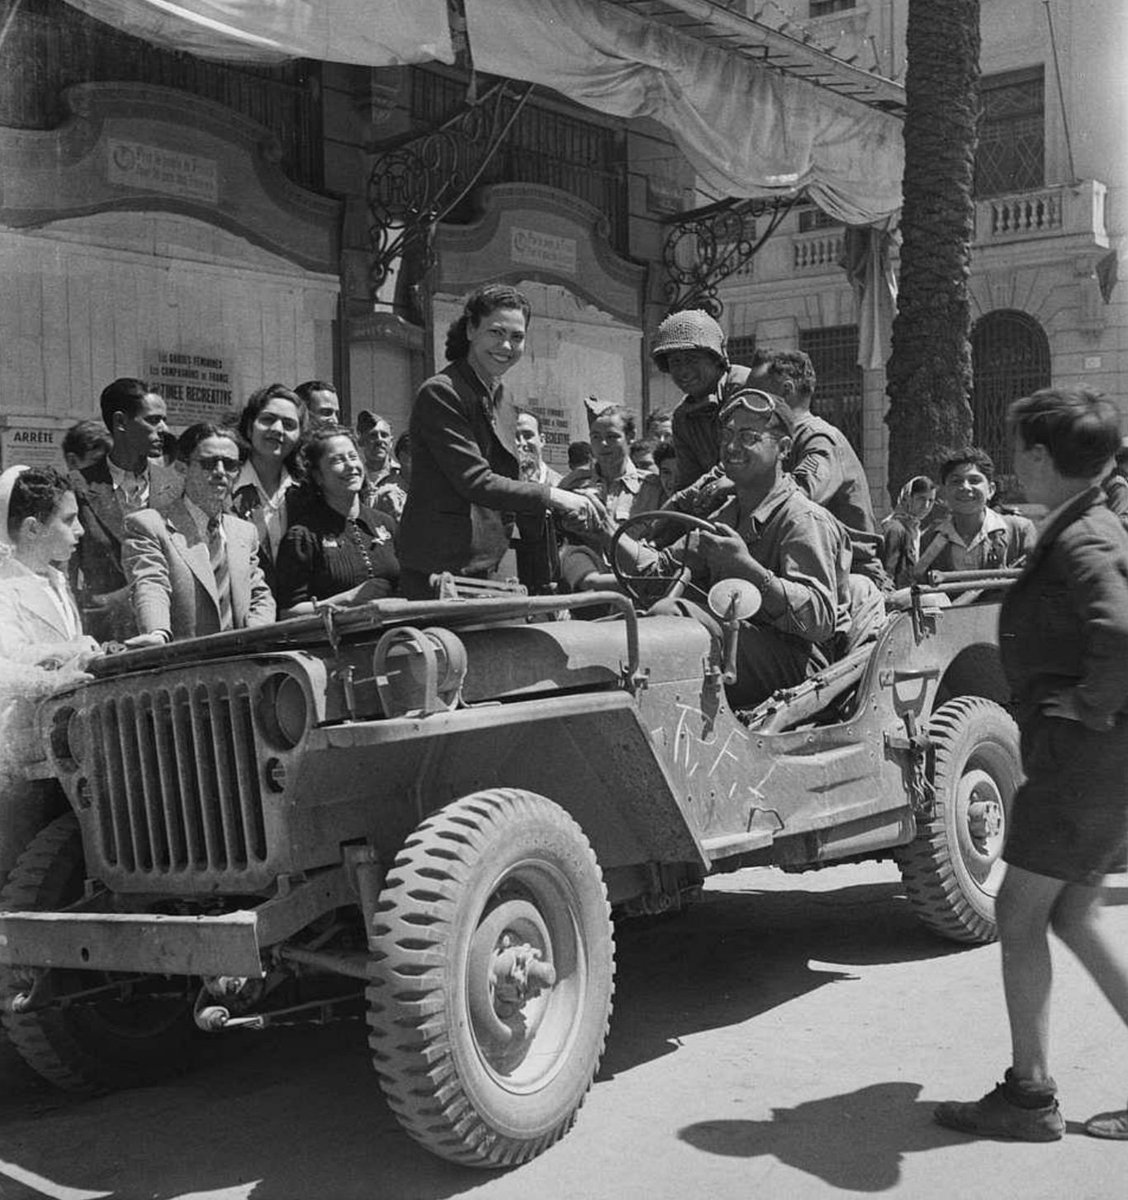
[589, 753]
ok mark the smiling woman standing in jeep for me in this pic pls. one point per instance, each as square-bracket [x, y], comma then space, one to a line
[464, 475]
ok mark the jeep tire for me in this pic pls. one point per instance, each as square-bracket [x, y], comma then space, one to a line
[491, 975]
[953, 868]
[98, 1044]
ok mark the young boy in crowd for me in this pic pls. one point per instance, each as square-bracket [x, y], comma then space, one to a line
[666, 460]
[973, 536]
[642, 455]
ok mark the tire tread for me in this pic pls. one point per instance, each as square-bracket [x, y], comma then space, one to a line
[930, 879]
[43, 1039]
[408, 1027]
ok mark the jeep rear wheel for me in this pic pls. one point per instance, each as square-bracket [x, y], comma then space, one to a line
[104, 1041]
[491, 978]
[952, 870]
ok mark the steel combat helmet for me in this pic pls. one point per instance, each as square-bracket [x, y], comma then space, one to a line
[692, 329]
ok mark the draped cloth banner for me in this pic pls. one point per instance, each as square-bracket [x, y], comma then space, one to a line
[868, 261]
[747, 130]
[375, 33]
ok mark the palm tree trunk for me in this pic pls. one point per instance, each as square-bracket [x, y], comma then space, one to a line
[929, 371]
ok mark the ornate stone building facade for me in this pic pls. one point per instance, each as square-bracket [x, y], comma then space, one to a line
[1050, 221]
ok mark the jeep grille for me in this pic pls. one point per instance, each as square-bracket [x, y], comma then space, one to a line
[173, 778]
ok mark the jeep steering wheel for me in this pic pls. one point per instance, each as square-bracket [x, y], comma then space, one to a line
[675, 584]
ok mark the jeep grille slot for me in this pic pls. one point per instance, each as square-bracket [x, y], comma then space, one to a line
[175, 783]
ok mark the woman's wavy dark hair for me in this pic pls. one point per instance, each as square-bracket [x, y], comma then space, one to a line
[259, 399]
[477, 306]
[36, 493]
[311, 450]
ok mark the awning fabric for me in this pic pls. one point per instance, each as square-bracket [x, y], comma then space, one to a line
[748, 131]
[376, 33]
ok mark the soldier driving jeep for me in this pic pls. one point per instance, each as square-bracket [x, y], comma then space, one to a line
[772, 535]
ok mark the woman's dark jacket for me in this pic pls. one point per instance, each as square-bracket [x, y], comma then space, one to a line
[463, 477]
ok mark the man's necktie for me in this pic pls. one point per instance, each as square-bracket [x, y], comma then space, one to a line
[217, 550]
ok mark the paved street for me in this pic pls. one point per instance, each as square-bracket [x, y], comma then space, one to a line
[786, 1040]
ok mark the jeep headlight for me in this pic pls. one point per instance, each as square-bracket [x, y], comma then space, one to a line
[283, 710]
[67, 736]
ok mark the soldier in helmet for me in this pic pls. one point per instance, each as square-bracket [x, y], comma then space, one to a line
[690, 347]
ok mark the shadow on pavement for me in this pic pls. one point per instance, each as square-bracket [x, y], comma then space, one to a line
[293, 1113]
[735, 955]
[855, 1141]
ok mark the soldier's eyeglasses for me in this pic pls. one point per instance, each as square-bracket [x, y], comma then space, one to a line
[746, 438]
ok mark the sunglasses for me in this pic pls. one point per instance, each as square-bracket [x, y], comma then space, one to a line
[209, 462]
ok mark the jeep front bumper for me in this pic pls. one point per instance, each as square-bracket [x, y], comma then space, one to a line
[157, 944]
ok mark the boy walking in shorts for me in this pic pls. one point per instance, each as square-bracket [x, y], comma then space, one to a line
[1063, 638]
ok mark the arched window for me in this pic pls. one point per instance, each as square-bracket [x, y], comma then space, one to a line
[1010, 357]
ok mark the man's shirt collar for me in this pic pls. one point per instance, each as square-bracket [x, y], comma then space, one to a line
[993, 522]
[122, 477]
[630, 480]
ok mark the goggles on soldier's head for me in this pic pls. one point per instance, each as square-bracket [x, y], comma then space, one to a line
[763, 404]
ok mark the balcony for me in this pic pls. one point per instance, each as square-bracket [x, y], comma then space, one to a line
[817, 252]
[1065, 211]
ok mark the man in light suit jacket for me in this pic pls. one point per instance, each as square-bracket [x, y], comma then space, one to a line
[194, 568]
[128, 479]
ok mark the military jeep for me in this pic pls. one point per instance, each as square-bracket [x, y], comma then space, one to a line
[451, 802]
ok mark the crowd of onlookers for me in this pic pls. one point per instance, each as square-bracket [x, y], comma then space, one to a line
[325, 500]
[281, 507]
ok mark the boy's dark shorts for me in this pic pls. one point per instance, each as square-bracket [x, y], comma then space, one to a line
[1069, 820]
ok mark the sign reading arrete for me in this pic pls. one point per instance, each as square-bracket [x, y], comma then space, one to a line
[30, 447]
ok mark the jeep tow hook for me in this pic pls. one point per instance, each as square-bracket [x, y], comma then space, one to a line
[215, 1017]
[21, 1002]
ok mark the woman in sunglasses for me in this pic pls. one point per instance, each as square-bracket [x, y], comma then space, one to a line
[194, 568]
[772, 535]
